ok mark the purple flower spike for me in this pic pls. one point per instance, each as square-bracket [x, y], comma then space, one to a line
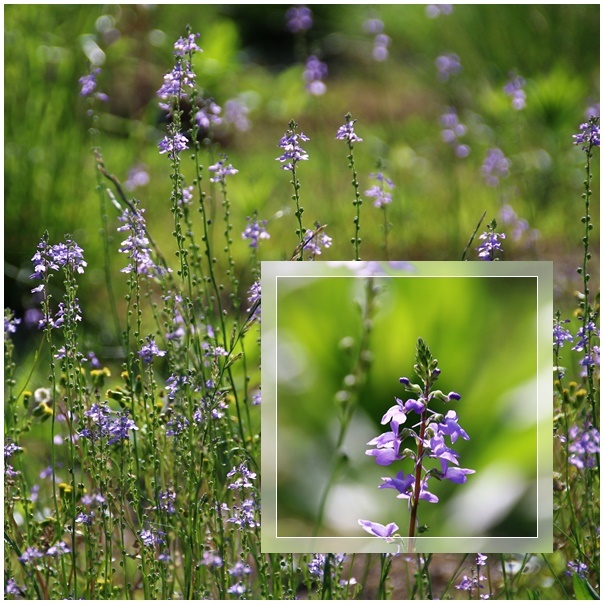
[379, 530]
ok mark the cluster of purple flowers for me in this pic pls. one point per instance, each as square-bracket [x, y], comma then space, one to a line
[10, 322]
[430, 441]
[495, 166]
[173, 144]
[381, 41]
[10, 449]
[136, 245]
[584, 445]
[314, 243]
[254, 231]
[150, 350]
[299, 19]
[245, 515]
[452, 131]
[88, 85]
[474, 583]
[579, 568]
[245, 476]
[31, 554]
[447, 65]
[589, 135]
[435, 10]
[378, 192]
[347, 133]
[315, 72]
[208, 115]
[491, 244]
[138, 176]
[518, 228]
[584, 335]
[221, 170]
[236, 112]
[105, 423]
[54, 257]
[292, 152]
[561, 334]
[150, 538]
[514, 88]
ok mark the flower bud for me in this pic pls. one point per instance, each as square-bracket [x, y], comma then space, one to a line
[454, 396]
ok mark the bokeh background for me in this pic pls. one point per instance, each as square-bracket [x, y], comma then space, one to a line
[483, 332]
[249, 55]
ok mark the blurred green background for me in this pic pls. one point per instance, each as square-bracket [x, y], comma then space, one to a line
[482, 330]
[49, 173]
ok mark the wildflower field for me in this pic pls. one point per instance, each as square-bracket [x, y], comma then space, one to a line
[415, 190]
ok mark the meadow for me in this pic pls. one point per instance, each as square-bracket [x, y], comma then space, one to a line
[156, 155]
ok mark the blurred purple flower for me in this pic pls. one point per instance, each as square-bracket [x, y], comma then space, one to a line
[452, 131]
[380, 47]
[435, 10]
[514, 88]
[254, 231]
[314, 244]
[236, 113]
[221, 170]
[447, 66]
[584, 446]
[208, 115]
[138, 176]
[150, 350]
[495, 166]
[299, 19]
[184, 46]
[314, 74]
[378, 192]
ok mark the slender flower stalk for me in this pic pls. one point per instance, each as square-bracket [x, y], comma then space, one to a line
[429, 441]
[292, 154]
[380, 192]
[347, 133]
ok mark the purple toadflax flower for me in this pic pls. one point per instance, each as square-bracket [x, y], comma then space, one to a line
[514, 88]
[173, 144]
[299, 19]
[150, 350]
[314, 74]
[347, 133]
[590, 134]
[378, 192]
[254, 231]
[379, 530]
[10, 322]
[447, 65]
[292, 152]
[578, 568]
[452, 131]
[584, 446]
[315, 241]
[495, 166]
[491, 245]
[429, 435]
[221, 170]
[561, 334]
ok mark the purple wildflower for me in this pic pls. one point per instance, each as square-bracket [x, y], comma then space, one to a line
[593, 110]
[182, 76]
[379, 530]
[245, 515]
[239, 569]
[380, 47]
[12, 589]
[435, 10]
[138, 176]
[373, 26]
[30, 555]
[561, 334]
[293, 153]
[257, 398]
[347, 133]
[62, 255]
[495, 166]
[166, 501]
[519, 227]
[447, 66]
[238, 589]
[492, 245]
[211, 559]
[378, 192]
[316, 565]
[209, 115]
[299, 19]
[314, 74]
[452, 131]
[244, 481]
[151, 538]
[236, 113]
[254, 299]
[584, 446]
[104, 425]
[579, 568]
[136, 246]
[150, 350]
[589, 136]
[88, 84]
[58, 549]
[514, 89]
[451, 428]
[314, 243]
[221, 170]
[173, 144]
[10, 322]
[185, 46]
[254, 231]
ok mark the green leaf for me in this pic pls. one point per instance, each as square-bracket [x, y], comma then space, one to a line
[583, 590]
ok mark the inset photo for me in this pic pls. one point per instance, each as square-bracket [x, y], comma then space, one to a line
[406, 407]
